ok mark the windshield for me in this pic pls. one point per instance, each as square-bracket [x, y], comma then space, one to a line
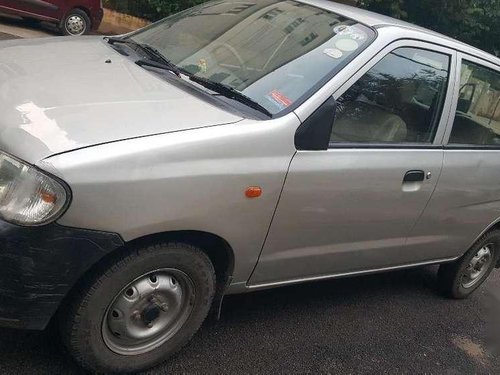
[274, 52]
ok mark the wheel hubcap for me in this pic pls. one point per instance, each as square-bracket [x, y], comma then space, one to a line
[75, 25]
[148, 312]
[478, 266]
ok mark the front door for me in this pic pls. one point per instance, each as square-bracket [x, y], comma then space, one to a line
[350, 208]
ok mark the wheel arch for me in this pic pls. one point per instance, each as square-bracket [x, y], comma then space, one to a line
[494, 225]
[215, 247]
[79, 7]
[82, 8]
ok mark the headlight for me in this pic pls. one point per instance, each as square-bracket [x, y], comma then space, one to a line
[28, 196]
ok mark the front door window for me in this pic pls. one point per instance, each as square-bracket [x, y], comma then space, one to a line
[399, 100]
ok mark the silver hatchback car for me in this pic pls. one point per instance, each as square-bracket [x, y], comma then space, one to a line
[233, 147]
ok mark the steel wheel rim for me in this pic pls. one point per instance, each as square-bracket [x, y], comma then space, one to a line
[76, 25]
[148, 311]
[478, 266]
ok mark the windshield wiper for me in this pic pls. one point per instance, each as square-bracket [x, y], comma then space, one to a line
[157, 59]
[229, 92]
[161, 62]
[217, 87]
[150, 51]
[165, 66]
[111, 40]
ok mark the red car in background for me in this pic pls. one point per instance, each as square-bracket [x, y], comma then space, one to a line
[73, 17]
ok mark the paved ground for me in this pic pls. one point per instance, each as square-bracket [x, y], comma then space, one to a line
[5, 36]
[391, 323]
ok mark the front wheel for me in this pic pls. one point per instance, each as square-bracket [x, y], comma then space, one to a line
[141, 309]
[462, 277]
[76, 22]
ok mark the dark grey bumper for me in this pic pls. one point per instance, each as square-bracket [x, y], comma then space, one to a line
[39, 266]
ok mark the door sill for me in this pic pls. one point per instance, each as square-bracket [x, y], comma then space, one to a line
[345, 274]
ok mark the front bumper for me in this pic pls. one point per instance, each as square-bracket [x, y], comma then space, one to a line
[39, 266]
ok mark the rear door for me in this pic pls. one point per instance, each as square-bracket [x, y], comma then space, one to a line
[350, 207]
[467, 198]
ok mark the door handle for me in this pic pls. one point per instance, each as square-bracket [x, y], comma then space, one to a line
[414, 176]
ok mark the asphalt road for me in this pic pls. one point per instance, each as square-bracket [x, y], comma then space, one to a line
[390, 323]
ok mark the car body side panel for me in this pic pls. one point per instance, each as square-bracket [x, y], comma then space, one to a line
[350, 209]
[187, 180]
[346, 210]
[52, 9]
[467, 198]
[465, 203]
[44, 10]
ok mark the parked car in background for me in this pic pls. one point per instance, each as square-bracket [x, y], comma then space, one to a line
[73, 17]
[233, 147]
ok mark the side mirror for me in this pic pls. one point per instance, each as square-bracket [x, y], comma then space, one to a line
[314, 133]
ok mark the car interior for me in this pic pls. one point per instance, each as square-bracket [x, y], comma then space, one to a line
[389, 116]
[384, 108]
[478, 111]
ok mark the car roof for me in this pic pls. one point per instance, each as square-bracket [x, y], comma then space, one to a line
[376, 21]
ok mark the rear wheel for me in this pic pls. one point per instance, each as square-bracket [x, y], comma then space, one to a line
[462, 277]
[76, 22]
[141, 309]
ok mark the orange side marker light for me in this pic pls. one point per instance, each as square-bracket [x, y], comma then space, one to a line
[253, 192]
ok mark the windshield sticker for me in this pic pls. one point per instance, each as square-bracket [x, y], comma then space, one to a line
[357, 36]
[279, 99]
[333, 52]
[347, 45]
[343, 30]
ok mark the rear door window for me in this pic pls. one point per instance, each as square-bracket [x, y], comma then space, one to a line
[477, 118]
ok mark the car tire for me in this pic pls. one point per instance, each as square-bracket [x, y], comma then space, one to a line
[76, 23]
[168, 285]
[462, 277]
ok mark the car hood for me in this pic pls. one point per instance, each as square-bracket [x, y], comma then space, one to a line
[60, 94]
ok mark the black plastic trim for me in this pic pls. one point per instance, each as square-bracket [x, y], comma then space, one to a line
[473, 147]
[314, 132]
[40, 265]
[402, 146]
[414, 176]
